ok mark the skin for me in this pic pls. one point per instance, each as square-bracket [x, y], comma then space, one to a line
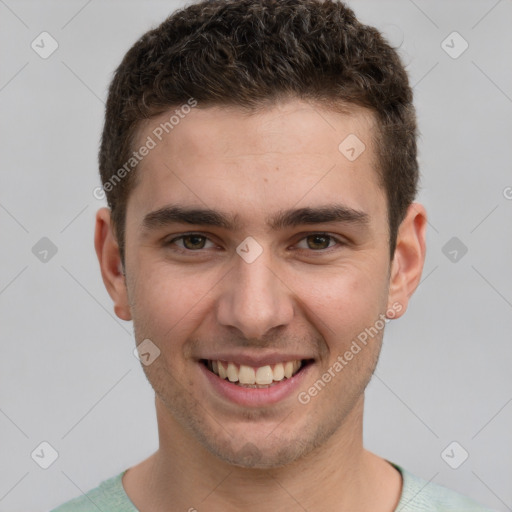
[301, 295]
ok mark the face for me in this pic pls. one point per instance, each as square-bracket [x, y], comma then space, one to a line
[257, 262]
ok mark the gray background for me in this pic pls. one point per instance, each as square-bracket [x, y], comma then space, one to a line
[68, 374]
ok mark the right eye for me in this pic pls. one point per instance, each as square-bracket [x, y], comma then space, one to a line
[191, 242]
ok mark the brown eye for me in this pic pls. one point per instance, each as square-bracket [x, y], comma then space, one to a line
[193, 241]
[318, 241]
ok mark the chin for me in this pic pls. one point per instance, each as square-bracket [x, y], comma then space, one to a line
[265, 449]
[251, 456]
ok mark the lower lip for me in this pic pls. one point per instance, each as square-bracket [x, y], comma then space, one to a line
[256, 397]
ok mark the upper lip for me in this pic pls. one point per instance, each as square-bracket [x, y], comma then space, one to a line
[255, 360]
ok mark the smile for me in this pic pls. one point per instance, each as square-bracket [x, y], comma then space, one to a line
[250, 377]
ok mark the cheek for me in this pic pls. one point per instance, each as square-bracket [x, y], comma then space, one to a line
[345, 301]
[164, 299]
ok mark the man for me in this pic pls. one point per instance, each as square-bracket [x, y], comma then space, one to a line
[259, 161]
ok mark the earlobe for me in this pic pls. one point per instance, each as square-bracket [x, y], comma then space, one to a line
[112, 272]
[409, 258]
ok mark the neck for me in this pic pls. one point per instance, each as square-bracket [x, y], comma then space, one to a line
[339, 475]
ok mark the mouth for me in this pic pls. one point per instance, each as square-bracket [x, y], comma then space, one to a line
[262, 377]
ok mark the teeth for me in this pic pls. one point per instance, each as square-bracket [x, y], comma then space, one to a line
[246, 375]
[222, 370]
[254, 377]
[232, 372]
[279, 372]
[264, 375]
[288, 369]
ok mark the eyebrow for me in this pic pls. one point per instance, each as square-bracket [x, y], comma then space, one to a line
[173, 214]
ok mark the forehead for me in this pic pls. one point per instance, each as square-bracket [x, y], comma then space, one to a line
[230, 131]
[293, 153]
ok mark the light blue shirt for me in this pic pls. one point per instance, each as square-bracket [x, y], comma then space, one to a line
[417, 495]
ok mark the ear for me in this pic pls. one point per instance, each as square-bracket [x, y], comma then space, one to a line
[109, 258]
[408, 260]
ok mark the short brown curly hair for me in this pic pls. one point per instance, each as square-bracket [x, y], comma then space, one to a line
[250, 54]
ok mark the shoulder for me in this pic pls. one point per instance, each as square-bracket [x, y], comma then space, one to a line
[419, 495]
[109, 495]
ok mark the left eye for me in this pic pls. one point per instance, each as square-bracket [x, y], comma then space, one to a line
[318, 241]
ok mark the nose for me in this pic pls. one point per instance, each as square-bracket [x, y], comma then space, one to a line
[254, 298]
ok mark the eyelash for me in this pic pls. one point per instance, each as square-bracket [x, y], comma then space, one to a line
[181, 250]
